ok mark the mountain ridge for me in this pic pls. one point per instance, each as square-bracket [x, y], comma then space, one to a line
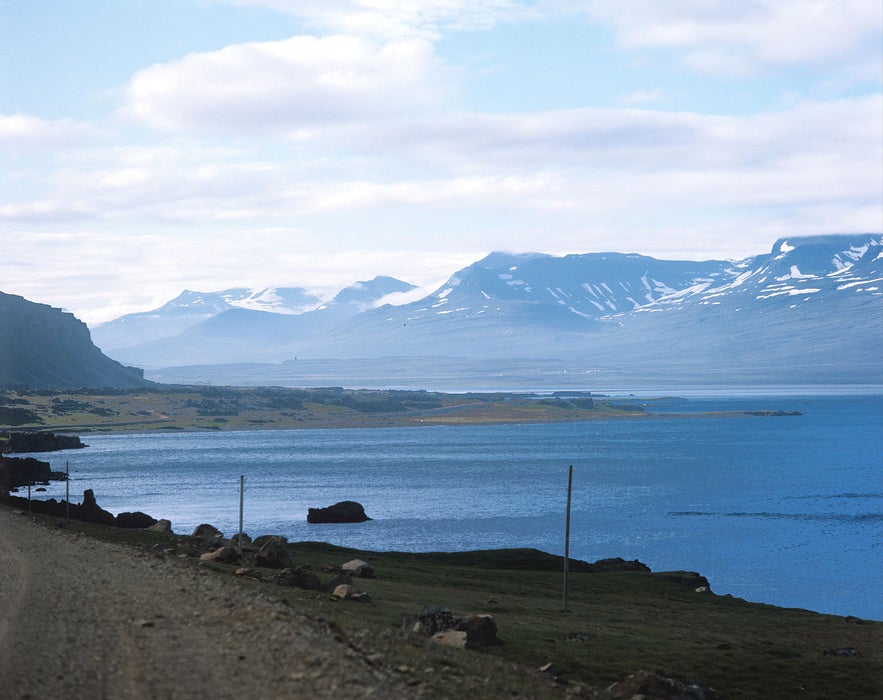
[811, 302]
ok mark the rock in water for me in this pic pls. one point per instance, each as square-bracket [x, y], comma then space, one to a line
[91, 512]
[343, 512]
[135, 520]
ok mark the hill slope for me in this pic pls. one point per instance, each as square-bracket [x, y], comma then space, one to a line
[46, 348]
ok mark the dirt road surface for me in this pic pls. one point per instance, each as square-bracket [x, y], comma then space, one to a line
[81, 618]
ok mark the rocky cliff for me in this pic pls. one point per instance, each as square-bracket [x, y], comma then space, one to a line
[42, 347]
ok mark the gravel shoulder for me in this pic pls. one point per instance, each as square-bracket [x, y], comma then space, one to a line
[80, 618]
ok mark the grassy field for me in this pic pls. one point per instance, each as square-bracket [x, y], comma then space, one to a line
[618, 623]
[247, 408]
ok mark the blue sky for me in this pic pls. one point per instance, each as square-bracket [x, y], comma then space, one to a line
[149, 146]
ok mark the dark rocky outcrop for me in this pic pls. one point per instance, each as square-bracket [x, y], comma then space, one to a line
[91, 512]
[342, 512]
[619, 564]
[38, 441]
[136, 520]
[18, 471]
[88, 511]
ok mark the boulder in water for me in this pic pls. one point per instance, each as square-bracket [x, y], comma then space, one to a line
[342, 512]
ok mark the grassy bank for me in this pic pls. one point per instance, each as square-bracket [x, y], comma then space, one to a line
[248, 408]
[619, 622]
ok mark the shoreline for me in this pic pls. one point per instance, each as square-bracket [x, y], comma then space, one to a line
[227, 409]
[154, 608]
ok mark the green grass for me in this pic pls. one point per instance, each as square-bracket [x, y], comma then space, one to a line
[619, 622]
[249, 408]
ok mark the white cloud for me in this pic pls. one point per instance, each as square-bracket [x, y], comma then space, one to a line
[721, 36]
[589, 160]
[23, 133]
[390, 19]
[301, 82]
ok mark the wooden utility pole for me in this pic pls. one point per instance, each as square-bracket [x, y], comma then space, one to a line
[241, 498]
[67, 490]
[567, 536]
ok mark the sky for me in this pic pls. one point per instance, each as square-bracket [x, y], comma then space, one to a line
[153, 146]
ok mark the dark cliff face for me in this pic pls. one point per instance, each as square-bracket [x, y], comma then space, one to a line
[43, 347]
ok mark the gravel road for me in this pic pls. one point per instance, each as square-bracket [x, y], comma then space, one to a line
[81, 618]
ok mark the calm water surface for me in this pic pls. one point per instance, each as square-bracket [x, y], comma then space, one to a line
[782, 510]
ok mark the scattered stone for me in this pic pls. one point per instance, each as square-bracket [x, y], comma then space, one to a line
[478, 630]
[359, 568]
[549, 669]
[842, 651]
[224, 555]
[660, 686]
[162, 525]
[301, 577]
[343, 578]
[451, 638]
[246, 540]
[342, 512]
[343, 591]
[207, 533]
[481, 630]
[248, 573]
[274, 554]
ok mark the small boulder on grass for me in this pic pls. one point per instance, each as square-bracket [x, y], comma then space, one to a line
[223, 555]
[653, 684]
[274, 554]
[440, 624]
[358, 568]
[164, 526]
[346, 591]
[301, 577]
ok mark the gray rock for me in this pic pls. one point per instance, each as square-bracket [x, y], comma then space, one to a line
[274, 554]
[207, 533]
[650, 684]
[359, 568]
[224, 555]
[162, 525]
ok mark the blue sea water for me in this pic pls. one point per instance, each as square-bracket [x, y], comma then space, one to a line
[784, 510]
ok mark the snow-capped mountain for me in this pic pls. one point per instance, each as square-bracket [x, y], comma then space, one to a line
[190, 308]
[810, 310]
[245, 327]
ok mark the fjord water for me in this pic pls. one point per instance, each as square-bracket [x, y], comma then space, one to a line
[784, 510]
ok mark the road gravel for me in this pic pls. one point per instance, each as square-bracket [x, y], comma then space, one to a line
[81, 618]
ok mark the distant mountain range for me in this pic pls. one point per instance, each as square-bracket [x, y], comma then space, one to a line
[42, 347]
[809, 311]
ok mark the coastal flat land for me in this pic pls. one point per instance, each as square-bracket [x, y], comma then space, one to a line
[249, 408]
[104, 612]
